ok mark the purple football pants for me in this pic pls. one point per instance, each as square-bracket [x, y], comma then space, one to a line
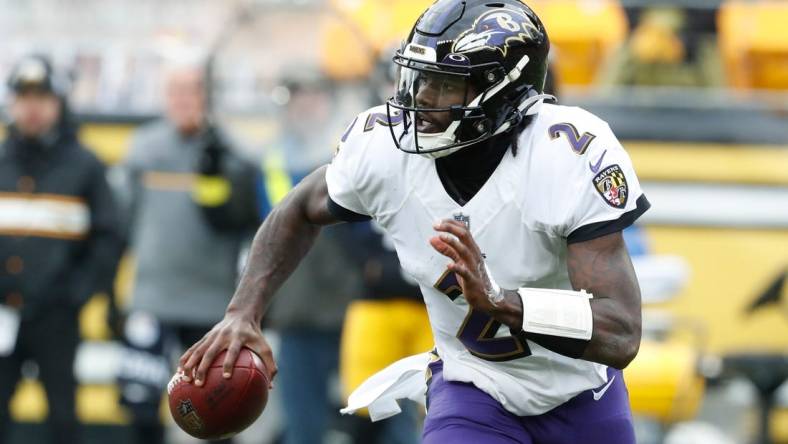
[459, 413]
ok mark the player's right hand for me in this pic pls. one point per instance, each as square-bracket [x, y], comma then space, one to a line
[236, 330]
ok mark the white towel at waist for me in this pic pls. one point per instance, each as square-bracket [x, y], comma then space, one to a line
[404, 379]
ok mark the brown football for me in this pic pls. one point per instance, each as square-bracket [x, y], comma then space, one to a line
[221, 407]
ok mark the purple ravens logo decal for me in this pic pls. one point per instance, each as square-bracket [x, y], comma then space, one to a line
[496, 30]
[611, 184]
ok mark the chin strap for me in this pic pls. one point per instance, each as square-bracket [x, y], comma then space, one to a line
[527, 107]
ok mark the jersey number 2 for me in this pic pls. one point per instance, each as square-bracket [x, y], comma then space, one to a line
[579, 143]
[477, 332]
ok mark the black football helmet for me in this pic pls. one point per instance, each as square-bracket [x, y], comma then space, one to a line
[480, 65]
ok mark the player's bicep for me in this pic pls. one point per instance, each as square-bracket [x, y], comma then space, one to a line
[602, 267]
[316, 203]
[312, 193]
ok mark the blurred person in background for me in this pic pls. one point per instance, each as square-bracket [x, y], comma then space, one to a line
[663, 50]
[59, 241]
[192, 205]
[309, 327]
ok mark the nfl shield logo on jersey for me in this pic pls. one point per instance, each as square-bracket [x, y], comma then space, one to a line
[459, 217]
[612, 186]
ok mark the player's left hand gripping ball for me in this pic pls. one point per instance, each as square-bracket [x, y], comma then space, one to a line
[456, 242]
[221, 407]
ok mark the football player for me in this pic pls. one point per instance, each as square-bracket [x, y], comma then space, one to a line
[506, 209]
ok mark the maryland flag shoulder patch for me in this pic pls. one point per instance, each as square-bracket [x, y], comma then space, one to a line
[611, 184]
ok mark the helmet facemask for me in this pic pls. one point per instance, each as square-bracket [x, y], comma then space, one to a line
[436, 101]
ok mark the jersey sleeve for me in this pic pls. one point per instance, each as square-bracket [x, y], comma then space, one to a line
[609, 197]
[344, 199]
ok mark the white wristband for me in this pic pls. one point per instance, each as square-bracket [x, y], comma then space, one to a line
[562, 313]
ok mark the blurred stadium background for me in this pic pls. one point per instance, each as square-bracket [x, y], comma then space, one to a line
[696, 89]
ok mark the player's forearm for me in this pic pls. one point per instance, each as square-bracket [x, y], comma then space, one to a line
[616, 337]
[603, 268]
[279, 245]
[510, 312]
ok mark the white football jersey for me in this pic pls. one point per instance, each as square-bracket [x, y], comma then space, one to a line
[570, 176]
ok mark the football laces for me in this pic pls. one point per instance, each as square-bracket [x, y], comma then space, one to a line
[177, 378]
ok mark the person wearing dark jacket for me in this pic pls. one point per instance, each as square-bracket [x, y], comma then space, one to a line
[59, 241]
